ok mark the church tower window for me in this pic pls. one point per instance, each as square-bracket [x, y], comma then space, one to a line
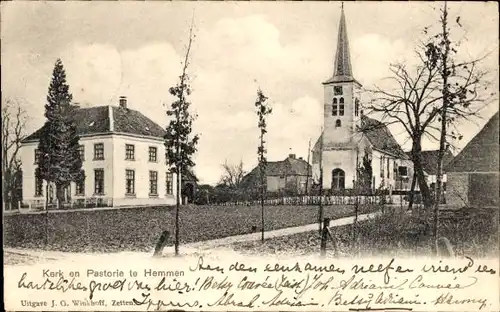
[337, 90]
[334, 107]
[356, 107]
[341, 107]
[338, 123]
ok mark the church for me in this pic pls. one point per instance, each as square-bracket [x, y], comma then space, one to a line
[350, 139]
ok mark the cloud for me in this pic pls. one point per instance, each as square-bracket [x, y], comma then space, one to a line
[231, 57]
[372, 55]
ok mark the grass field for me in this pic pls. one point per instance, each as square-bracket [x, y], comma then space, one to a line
[389, 234]
[138, 229]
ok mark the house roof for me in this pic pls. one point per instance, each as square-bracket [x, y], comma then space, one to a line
[481, 153]
[290, 166]
[96, 120]
[430, 160]
[189, 176]
[378, 135]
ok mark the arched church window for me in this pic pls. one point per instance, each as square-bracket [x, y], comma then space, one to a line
[341, 106]
[338, 123]
[338, 179]
[356, 107]
[334, 107]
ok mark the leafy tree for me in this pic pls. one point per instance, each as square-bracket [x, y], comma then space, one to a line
[462, 92]
[365, 173]
[59, 158]
[263, 110]
[179, 142]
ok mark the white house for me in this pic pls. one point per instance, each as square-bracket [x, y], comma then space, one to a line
[123, 155]
[430, 162]
[348, 134]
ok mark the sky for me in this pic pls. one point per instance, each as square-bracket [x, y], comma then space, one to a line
[135, 49]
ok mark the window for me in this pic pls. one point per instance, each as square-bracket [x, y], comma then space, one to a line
[341, 107]
[337, 90]
[356, 107]
[334, 107]
[338, 179]
[98, 151]
[99, 181]
[129, 152]
[81, 150]
[80, 187]
[38, 187]
[129, 182]
[338, 123]
[403, 171]
[388, 172]
[169, 183]
[152, 154]
[37, 155]
[153, 183]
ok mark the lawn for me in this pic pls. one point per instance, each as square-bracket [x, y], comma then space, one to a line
[390, 234]
[137, 229]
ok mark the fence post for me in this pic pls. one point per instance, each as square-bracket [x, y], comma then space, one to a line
[324, 236]
[18, 205]
[162, 242]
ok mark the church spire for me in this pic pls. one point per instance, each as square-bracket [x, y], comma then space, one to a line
[343, 68]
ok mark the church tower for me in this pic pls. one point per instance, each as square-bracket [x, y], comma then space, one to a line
[336, 152]
[341, 95]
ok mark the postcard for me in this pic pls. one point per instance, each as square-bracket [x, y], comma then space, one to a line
[250, 156]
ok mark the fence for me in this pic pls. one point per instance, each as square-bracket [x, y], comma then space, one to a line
[40, 205]
[326, 200]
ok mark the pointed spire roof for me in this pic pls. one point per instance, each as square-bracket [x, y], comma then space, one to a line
[342, 71]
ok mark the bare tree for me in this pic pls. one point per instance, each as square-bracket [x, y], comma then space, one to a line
[232, 174]
[13, 125]
[416, 102]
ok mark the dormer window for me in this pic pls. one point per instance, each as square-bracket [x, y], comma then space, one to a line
[338, 123]
[341, 107]
[337, 90]
[335, 107]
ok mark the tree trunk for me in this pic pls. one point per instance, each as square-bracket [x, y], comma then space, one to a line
[47, 214]
[60, 196]
[419, 172]
[177, 206]
[442, 139]
[412, 190]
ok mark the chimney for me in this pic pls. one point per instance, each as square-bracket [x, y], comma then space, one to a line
[291, 156]
[123, 102]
